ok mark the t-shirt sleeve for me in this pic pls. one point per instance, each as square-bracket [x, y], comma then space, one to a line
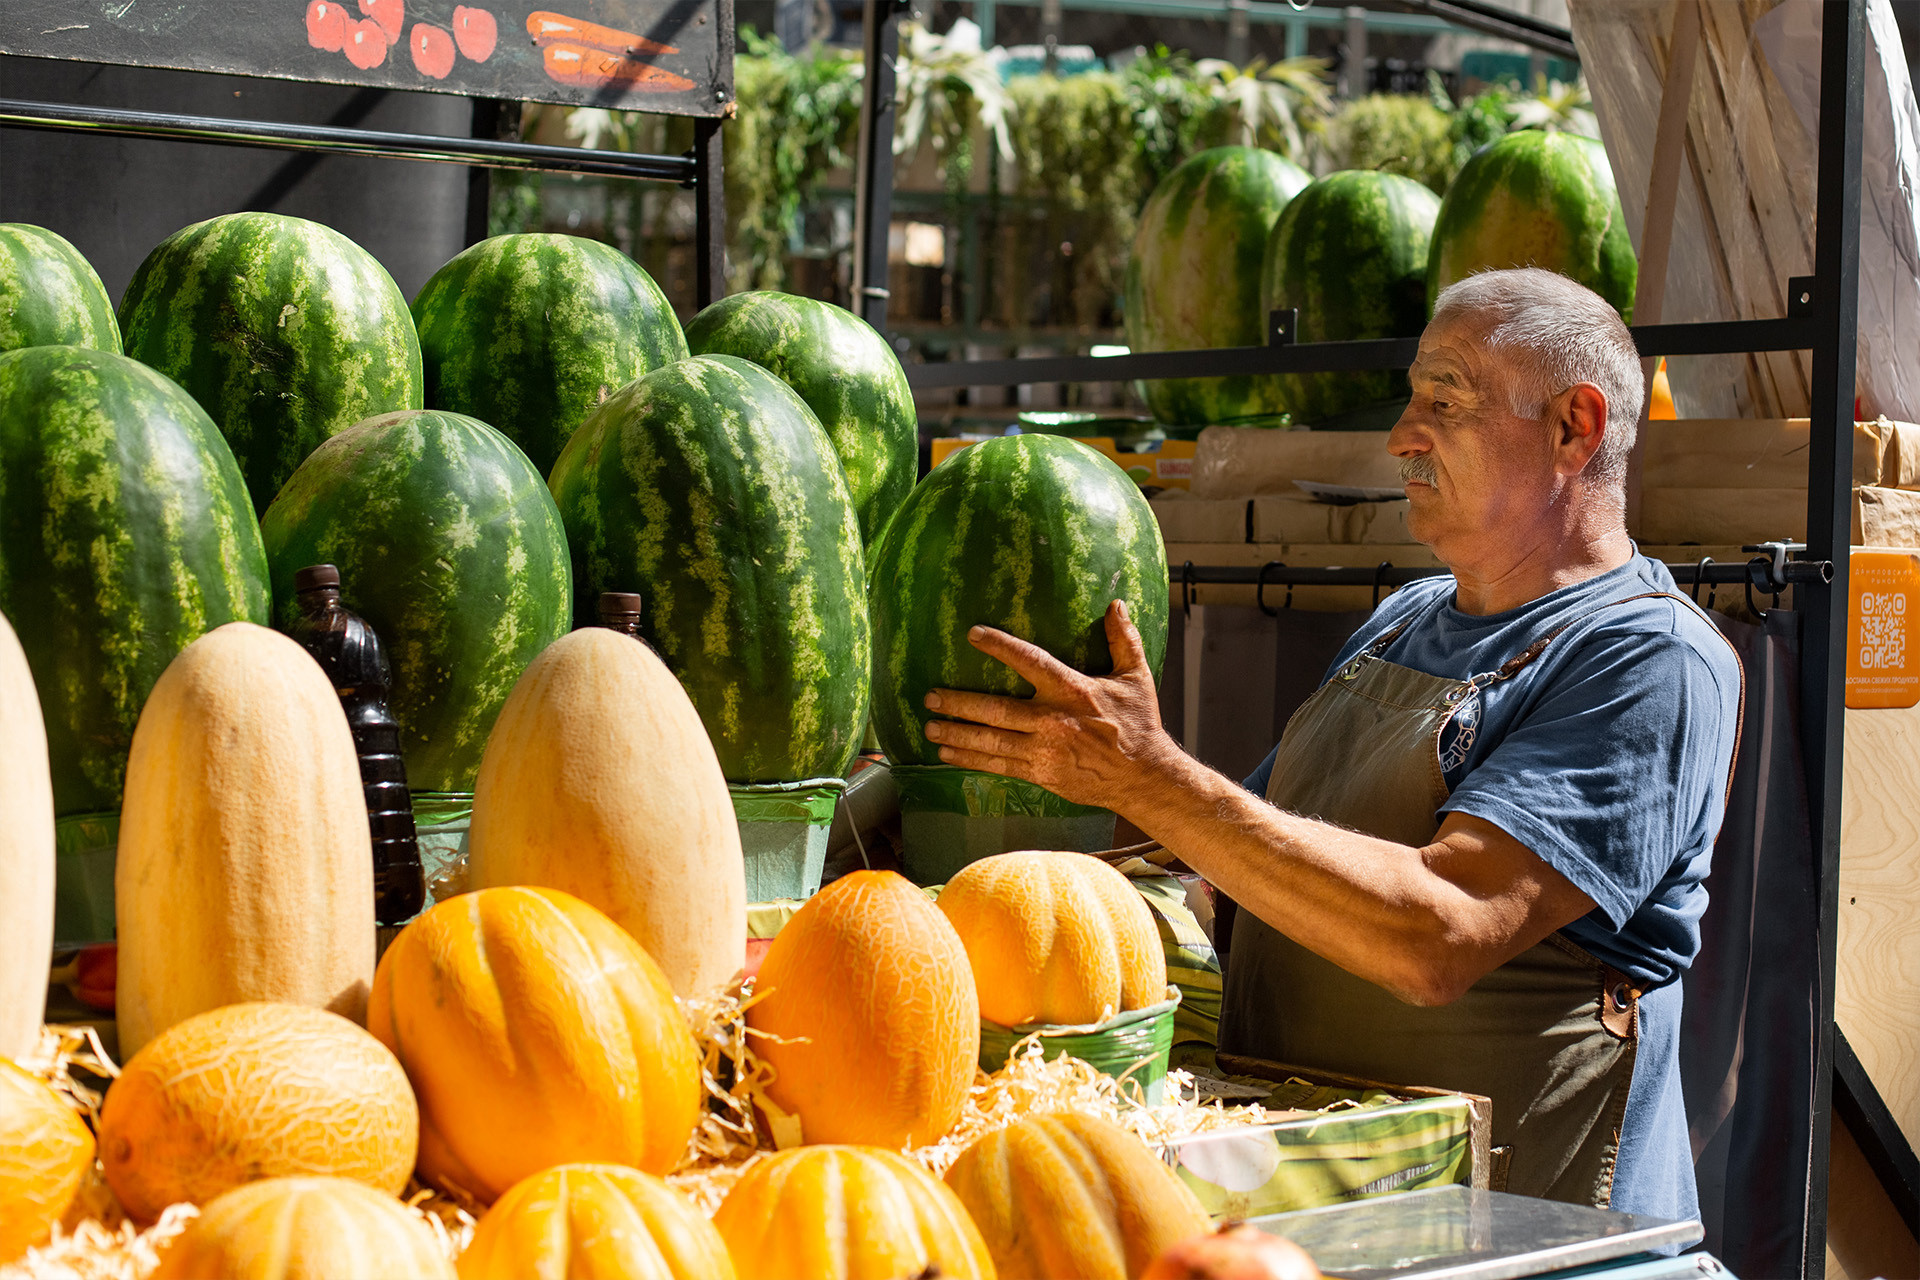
[1616, 766]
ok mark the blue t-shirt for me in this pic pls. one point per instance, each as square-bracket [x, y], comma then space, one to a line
[1607, 756]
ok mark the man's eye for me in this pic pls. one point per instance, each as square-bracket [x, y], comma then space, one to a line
[1443, 404]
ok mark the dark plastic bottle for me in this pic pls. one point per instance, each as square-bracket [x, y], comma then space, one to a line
[620, 611]
[349, 652]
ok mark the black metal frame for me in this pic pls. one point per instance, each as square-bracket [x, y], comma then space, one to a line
[1822, 316]
[699, 169]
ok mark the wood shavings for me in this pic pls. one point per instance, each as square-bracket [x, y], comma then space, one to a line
[451, 1220]
[93, 1250]
[54, 1056]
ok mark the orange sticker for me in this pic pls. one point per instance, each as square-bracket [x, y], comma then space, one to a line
[1883, 661]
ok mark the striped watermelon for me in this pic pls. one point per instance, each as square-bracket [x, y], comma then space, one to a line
[1032, 534]
[449, 545]
[1536, 199]
[848, 376]
[711, 489]
[1350, 252]
[125, 535]
[50, 295]
[1194, 277]
[530, 332]
[284, 330]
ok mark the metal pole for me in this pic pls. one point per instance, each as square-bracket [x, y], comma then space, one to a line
[983, 14]
[1239, 28]
[709, 215]
[1836, 265]
[1353, 55]
[489, 117]
[873, 163]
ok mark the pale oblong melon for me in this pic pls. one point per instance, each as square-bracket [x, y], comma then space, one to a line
[26, 852]
[599, 780]
[245, 866]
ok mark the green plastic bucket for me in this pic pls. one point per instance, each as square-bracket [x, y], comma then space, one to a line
[951, 817]
[84, 845]
[1134, 1044]
[783, 834]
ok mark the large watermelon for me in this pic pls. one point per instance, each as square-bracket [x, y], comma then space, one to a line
[50, 295]
[530, 332]
[1032, 534]
[1194, 277]
[711, 489]
[1350, 252]
[848, 376]
[284, 330]
[449, 545]
[125, 535]
[1536, 199]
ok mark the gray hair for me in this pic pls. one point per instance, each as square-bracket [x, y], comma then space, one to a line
[1554, 332]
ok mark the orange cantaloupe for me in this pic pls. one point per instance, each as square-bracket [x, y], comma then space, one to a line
[245, 865]
[587, 1221]
[1054, 937]
[1068, 1194]
[536, 1032]
[599, 780]
[26, 852]
[253, 1091]
[868, 1016]
[45, 1152]
[305, 1229]
[848, 1213]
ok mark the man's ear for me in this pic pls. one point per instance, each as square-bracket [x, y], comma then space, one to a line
[1578, 423]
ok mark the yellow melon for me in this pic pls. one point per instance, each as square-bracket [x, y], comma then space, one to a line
[245, 866]
[1073, 1195]
[869, 1018]
[536, 1032]
[849, 1213]
[305, 1229]
[585, 1221]
[26, 852]
[1055, 937]
[599, 780]
[255, 1091]
[45, 1152]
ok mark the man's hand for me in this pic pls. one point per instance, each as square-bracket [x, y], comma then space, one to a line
[1088, 739]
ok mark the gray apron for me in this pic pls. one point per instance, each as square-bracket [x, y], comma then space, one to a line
[1549, 1036]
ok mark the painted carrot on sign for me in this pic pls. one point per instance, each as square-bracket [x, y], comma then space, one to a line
[548, 29]
[571, 64]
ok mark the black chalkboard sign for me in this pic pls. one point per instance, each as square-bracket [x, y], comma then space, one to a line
[673, 56]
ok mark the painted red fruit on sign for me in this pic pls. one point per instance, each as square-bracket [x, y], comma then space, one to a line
[475, 31]
[326, 25]
[390, 14]
[366, 45]
[432, 50]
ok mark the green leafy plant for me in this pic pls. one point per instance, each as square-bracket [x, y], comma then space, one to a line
[1269, 106]
[1399, 133]
[945, 85]
[1557, 107]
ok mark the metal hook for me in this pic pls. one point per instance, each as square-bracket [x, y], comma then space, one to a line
[1260, 589]
[1699, 576]
[1186, 591]
[1379, 573]
[1760, 572]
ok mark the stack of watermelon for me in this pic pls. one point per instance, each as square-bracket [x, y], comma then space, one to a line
[1235, 233]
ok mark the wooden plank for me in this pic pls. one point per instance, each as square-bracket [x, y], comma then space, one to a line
[1242, 462]
[671, 56]
[1877, 990]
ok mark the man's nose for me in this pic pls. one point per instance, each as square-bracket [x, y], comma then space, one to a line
[1409, 435]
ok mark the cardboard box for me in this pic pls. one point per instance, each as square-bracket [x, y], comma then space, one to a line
[1169, 465]
[1244, 462]
[1184, 518]
[1402, 1138]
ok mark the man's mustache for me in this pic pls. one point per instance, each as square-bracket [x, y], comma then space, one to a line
[1420, 467]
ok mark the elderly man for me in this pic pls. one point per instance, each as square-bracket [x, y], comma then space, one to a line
[1475, 857]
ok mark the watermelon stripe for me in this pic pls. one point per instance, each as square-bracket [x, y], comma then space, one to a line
[1193, 279]
[1541, 200]
[125, 535]
[284, 330]
[449, 545]
[1350, 252]
[50, 294]
[1033, 534]
[710, 488]
[529, 333]
[848, 376]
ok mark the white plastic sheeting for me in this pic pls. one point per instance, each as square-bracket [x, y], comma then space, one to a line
[1745, 217]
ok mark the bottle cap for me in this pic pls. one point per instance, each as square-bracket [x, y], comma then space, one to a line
[316, 577]
[616, 603]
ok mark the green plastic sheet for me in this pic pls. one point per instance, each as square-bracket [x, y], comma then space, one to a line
[783, 834]
[1134, 1044]
[84, 845]
[440, 822]
[950, 817]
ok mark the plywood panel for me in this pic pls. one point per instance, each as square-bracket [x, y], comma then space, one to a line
[1877, 994]
[1865, 1237]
